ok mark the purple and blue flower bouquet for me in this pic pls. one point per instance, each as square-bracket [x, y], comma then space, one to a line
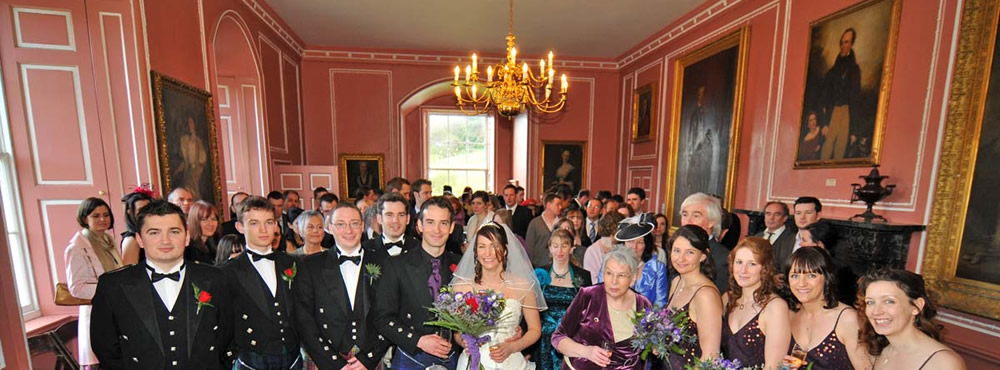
[471, 313]
[717, 363]
[661, 331]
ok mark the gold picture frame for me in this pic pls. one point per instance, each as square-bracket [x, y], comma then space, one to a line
[355, 172]
[188, 156]
[874, 17]
[550, 164]
[644, 112]
[726, 59]
[967, 106]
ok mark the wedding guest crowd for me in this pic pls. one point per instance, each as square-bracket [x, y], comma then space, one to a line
[287, 282]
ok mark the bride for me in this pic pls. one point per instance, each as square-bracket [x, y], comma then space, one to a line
[498, 262]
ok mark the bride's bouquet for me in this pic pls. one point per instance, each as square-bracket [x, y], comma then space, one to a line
[661, 331]
[471, 313]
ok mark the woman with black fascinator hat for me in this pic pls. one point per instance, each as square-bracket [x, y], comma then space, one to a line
[651, 276]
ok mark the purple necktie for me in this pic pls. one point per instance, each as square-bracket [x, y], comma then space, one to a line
[434, 281]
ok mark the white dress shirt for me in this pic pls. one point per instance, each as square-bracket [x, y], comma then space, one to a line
[167, 289]
[351, 272]
[592, 225]
[773, 234]
[265, 268]
[393, 250]
[798, 241]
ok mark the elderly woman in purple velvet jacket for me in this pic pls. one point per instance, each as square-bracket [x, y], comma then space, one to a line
[596, 330]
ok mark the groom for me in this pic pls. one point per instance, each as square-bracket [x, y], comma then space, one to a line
[335, 295]
[409, 284]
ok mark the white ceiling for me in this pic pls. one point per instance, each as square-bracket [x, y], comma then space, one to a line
[579, 28]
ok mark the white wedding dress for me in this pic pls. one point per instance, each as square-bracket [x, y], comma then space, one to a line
[504, 330]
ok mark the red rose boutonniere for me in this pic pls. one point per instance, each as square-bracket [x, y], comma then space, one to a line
[289, 274]
[453, 267]
[204, 298]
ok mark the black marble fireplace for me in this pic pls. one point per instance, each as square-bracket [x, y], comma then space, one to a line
[868, 245]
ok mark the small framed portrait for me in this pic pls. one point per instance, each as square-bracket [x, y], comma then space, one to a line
[186, 138]
[563, 163]
[643, 112]
[360, 169]
[705, 126]
[848, 77]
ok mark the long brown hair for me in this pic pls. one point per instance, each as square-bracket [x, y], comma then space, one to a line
[762, 253]
[913, 286]
[498, 236]
[200, 210]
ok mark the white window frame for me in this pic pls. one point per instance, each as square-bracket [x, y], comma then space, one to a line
[10, 196]
[490, 145]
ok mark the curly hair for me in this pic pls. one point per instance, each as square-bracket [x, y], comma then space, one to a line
[699, 240]
[761, 250]
[913, 286]
[811, 260]
[494, 233]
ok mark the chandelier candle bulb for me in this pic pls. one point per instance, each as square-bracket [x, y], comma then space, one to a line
[489, 74]
[541, 67]
[550, 59]
[552, 73]
[565, 84]
[524, 69]
[468, 71]
[474, 68]
[456, 74]
[458, 93]
[474, 92]
[513, 55]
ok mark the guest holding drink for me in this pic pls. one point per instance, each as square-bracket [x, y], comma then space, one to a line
[560, 283]
[898, 326]
[823, 330]
[694, 291]
[755, 329]
[596, 330]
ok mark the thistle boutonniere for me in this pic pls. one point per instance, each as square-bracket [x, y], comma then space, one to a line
[289, 274]
[374, 272]
[204, 298]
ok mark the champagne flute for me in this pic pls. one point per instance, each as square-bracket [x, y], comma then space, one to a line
[608, 346]
[800, 355]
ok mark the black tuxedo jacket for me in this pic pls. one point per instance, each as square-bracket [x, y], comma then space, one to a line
[409, 242]
[326, 322]
[403, 297]
[521, 218]
[124, 329]
[782, 246]
[257, 326]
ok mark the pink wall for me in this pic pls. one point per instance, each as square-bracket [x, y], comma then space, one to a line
[344, 94]
[773, 98]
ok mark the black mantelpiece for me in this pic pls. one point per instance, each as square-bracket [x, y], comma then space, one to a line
[869, 245]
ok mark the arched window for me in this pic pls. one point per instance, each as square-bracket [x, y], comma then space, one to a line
[459, 150]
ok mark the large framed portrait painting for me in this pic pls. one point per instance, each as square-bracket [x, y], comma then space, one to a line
[563, 164]
[186, 138]
[643, 112]
[961, 262]
[708, 100]
[848, 76]
[360, 169]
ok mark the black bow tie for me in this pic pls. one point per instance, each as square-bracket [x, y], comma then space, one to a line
[256, 257]
[156, 276]
[394, 244]
[354, 259]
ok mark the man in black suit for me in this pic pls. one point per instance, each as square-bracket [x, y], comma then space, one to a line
[409, 284]
[520, 216]
[335, 295]
[705, 211]
[593, 212]
[163, 313]
[393, 215]
[229, 227]
[780, 235]
[581, 198]
[261, 284]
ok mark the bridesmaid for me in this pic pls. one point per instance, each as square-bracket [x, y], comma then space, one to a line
[693, 291]
[899, 327]
[824, 331]
[755, 329]
[560, 282]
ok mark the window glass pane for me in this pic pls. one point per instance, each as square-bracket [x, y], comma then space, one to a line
[23, 278]
[458, 151]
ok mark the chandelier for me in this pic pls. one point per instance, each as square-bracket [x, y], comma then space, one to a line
[508, 86]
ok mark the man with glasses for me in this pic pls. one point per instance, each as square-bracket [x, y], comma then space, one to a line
[336, 297]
